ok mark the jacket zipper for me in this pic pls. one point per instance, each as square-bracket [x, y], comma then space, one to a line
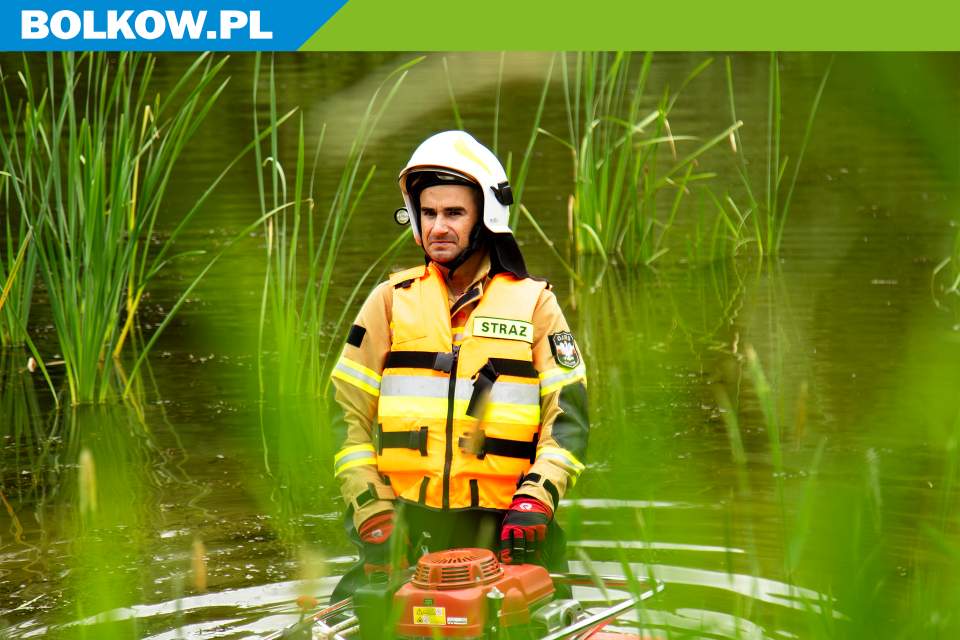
[448, 454]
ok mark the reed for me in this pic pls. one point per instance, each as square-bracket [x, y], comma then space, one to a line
[91, 176]
[516, 171]
[18, 255]
[298, 321]
[771, 208]
[617, 145]
[90, 171]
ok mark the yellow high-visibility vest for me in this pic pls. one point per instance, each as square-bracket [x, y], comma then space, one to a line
[458, 425]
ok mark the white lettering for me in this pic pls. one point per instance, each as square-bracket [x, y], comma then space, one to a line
[74, 25]
[186, 22]
[231, 19]
[130, 24]
[119, 24]
[255, 33]
[90, 28]
[159, 24]
[33, 24]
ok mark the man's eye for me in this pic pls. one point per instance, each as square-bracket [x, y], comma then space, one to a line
[429, 214]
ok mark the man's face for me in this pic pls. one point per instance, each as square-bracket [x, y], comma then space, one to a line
[447, 215]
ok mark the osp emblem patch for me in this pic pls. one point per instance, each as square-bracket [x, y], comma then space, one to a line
[564, 349]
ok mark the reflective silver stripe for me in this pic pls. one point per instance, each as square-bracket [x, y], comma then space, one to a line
[566, 462]
[355, 456]
[428, 387]
[354, 459]
[353, 373]
[556, 378]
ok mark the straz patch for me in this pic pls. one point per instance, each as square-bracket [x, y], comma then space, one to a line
[564, 349]
[503, 328]
[430, 615]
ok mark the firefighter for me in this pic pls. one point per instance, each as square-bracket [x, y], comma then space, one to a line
[462, 390]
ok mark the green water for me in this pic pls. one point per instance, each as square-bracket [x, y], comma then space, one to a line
[842, 525]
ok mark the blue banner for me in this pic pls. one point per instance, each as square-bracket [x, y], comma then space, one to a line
[161, 25]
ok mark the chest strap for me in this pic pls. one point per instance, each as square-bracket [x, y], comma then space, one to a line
[415, 439]
[420, 360]
[437, 361]
[480, 444]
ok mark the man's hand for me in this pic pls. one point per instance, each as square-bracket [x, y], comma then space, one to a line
[375, 534]
[524, 530]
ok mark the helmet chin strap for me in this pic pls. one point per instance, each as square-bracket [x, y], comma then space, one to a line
[475, 243]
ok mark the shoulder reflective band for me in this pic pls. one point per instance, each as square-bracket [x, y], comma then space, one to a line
[415, 439]
[357, 375]
[566, 460]
[353, 456]
[556, 378]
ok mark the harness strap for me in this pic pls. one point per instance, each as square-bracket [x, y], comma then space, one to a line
[415, 439]
[488, 374]
[481, 445]
[420, 360]
[444, 361]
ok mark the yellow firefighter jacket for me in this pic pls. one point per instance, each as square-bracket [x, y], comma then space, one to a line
[456, 404]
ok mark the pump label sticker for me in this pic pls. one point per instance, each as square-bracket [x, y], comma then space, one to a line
[503, 328]
[455, 620]
[430, 615]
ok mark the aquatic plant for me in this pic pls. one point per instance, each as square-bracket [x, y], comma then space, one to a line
[770, 214]
[18, 255]
[616, 146]
[517, 175]
[295, 309]
[299, 322]
[90, 168]
[92, 172]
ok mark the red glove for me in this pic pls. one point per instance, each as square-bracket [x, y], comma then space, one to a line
[375, 534]
[524, 529]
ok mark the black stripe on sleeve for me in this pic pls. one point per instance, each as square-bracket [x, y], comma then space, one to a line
[355, 337]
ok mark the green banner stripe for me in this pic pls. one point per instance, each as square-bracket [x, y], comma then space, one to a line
[430, 25]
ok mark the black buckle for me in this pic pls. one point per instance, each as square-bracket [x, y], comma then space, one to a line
[475, 443]
[443, 362]
[415, 439]
[418, 440]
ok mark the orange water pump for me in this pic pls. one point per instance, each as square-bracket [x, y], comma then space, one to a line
[466, 593]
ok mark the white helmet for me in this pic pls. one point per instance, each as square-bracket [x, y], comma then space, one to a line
[458, 155]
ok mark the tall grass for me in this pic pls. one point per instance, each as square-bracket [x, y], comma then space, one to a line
[517, 167]
[300, 320]
[771, 207]
[624, 155]
[297, 319]
[18, 255]
[91, 163]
